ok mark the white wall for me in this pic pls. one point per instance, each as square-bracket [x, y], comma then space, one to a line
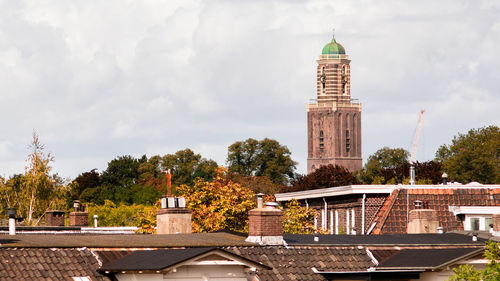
[192, 273]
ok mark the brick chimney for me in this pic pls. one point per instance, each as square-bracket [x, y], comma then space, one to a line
[265, 224]
[54, 218]
[422, 221]
[79, 217]
[173, 217]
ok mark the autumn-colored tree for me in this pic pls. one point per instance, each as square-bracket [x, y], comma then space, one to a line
[35, 191]
[298, 219]
[218, 204]
[323, 177]
[83, 181]
[256, 184]
[111, 214]
[37, 188]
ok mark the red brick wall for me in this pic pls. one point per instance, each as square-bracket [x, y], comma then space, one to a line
[334, 125]
[79, 219]
[54, 218]
[264, 222]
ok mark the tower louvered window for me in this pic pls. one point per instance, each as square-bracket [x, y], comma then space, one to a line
[321, 141]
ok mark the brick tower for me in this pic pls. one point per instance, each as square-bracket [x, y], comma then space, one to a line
[334, 120]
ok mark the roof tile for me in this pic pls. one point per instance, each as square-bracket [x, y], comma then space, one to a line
[47, 264]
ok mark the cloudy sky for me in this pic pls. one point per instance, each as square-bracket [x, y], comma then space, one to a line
[99, 79]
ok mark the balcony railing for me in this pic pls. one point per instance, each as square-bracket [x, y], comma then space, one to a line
[333, 57]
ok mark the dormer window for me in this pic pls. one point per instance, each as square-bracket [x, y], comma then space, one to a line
[476, 218]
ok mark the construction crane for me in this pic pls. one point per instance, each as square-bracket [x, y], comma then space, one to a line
[414, 149]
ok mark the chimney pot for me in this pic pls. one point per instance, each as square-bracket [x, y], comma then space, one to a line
[170, 202]
[418, 204]
[76, 205]
[260, 200]
[445, 178]
[11, 212]
[272, 205]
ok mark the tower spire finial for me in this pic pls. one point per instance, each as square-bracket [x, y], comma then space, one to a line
[333, 32]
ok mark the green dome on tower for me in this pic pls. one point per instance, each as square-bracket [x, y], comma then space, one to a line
[333, 48]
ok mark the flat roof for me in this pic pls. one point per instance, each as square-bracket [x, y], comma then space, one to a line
[372, 189]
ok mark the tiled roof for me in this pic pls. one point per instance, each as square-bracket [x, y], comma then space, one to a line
[392, 218]
[296, 263]
[48, 264]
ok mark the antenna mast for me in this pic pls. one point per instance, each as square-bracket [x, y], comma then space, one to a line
[414, 148]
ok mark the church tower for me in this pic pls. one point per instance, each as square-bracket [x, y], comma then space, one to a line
[334, 119]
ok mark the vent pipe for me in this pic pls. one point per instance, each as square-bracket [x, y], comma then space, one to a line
[260, 200]
[11, 212]
[445, 178]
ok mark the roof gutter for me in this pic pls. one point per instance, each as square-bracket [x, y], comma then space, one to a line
[369, 275]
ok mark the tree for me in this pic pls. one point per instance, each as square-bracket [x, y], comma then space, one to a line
[37, 189]
[122, 171]
[491, 272]
[474, 156]
[83, 181]
[261, 158]
[298, 219]
[323, 177]
[384, 158]
[429, 172]
[186, 166]
[218, 204]
[111, 214]
[256, 184]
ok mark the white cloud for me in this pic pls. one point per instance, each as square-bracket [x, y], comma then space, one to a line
[101, 79]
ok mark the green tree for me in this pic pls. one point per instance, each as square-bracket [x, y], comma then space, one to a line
[266, 157]
[474, 156]
[218, 204]
[323, 177]
[122, 171]
[490, 273]
[384, 158]
[186, 166]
